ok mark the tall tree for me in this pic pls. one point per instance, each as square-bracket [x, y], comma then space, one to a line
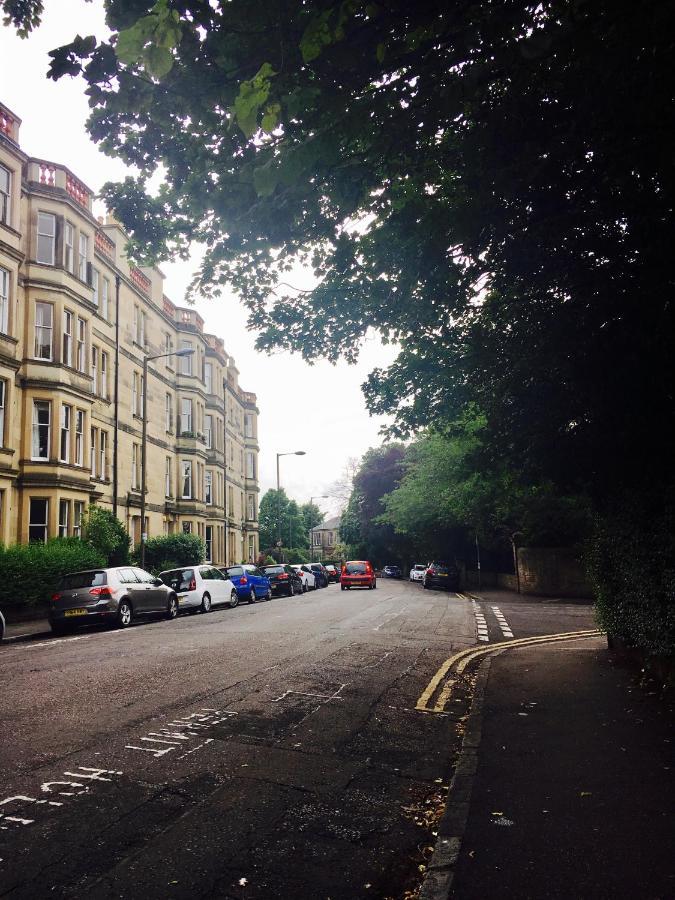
[510, 168]
[273, 518]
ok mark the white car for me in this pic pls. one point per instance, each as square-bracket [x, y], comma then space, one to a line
[307, 576]
[417, 572]
[200, 587]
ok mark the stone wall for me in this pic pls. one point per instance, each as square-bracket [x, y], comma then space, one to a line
[545, 571]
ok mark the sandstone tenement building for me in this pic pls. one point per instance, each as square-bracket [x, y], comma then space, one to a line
[76, 322]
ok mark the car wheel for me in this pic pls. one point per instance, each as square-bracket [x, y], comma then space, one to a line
[268, 595]
[374, 585]
[251, 596]
[172, 607]
[342, 587]
[304, 587]
[370, 587]
[206, 604]
[125, 614]
[234, 599]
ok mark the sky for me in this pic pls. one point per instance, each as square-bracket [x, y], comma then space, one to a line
[320, 408]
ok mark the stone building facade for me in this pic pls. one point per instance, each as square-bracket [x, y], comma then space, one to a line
[76, 322]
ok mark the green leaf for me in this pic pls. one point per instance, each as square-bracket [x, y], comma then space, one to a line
[316, 36]
[158, 61]
[270, 119]
[266, 179]
[250, 99]
[380, 52]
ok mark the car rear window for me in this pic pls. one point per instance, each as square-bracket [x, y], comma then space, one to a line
[178, 579]
[355, 568]
[83, 580]
[234, 570]
[274, 570]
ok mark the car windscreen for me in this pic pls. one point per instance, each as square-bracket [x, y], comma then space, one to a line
[273, 570]
[178, 579]
[83, 580]
[355, 568]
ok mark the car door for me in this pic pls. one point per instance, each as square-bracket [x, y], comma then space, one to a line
[154, 596]
[214, 584]
[254, 577]
[135, 590]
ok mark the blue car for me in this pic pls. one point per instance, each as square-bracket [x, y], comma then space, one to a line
[250, 583]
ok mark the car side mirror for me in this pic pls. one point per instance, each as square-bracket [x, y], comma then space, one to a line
[157, 582]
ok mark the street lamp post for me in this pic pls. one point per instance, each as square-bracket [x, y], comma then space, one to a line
[186, 351]
[311, 533]
[279, 455]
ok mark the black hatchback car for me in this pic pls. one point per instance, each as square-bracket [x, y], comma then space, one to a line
[443, 575]
[283, 579]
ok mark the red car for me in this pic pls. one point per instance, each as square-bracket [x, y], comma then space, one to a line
[357, 573]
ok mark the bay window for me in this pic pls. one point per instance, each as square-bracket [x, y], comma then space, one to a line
[186, 479]
[4, 301]
[67, 339]
[46, 238]
[38, 519]
[64, 442]
[41, 429]
[44, 327]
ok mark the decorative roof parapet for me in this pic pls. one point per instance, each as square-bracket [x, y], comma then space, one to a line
[105, 244]
[140, 280]
[77, 190]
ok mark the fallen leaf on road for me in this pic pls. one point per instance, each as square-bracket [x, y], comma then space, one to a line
[472, 853]
[243, 882]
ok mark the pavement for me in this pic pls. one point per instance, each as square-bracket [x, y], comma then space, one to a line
[564, 787]
[17, 631]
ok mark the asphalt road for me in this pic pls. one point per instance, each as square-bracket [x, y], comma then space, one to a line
[273, 750]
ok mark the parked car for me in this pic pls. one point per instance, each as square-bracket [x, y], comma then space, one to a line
[2, 625]
[116, 596]
[283, 579]
[441, 574]
[320, 574]
[392, 572]
[417, 572]
[249, 581]
[333, 573]
[306, 576]
[357, 573]
[200, 587]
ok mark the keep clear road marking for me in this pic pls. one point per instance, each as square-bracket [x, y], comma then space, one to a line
[503, 624]
[461, 660]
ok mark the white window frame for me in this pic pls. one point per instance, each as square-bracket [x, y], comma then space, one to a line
[186, 479]
[95, 275]
[102, 451]
[81, 345]
[251, 508]
[208, 431]
[134, 467]
[104, 375]
[46, 240]
[5, 196]
[134, 393]
[168, 413]
[3, 404]
[64, 432]
[79, 437]
[67, 338]
[41, 326]
[208, 377]
[167, 476]
[105, 297]
[92, 450]
[208, 487]
[37, 426]
[94, 368]
[69, 247]
[64, 518]
[83, 256]
[4, 300]
[186, 361]
[186, 403]
[44, 525]
[78, 513]
[250, 465]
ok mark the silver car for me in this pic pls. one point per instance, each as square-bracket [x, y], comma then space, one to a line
[116, 596]
[200, 587]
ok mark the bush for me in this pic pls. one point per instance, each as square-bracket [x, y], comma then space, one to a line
[631, 563]
[30, 573]
[106, 534]
[173, 550]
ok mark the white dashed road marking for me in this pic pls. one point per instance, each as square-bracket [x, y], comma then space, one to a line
[481, 624]
[503, 624]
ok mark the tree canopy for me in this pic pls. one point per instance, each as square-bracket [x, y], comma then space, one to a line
[488, 184]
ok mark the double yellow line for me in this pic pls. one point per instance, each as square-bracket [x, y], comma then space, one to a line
[460, 661]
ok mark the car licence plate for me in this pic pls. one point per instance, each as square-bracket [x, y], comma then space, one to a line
[442, 574]
[75, 612]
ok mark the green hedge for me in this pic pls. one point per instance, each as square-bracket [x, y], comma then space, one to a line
[172, 550]
[29, 573]
[631, 564]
